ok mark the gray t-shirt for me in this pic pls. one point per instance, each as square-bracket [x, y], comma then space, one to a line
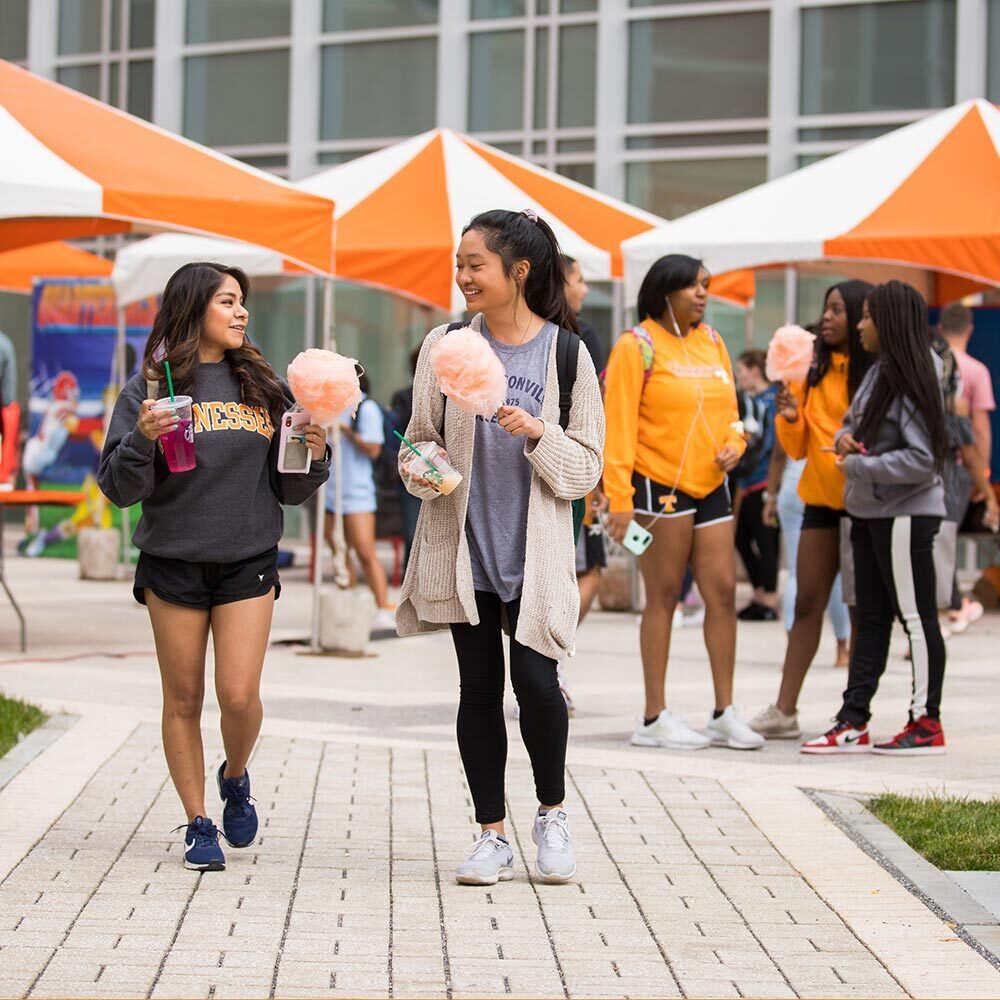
[497, 519]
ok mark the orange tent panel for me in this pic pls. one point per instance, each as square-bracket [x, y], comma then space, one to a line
[19, 268]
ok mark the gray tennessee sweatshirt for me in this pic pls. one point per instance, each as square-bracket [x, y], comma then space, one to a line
[897, 477]
[229, 506]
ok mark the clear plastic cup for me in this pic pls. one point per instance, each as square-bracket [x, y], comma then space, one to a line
[178, 444]
[436, 469]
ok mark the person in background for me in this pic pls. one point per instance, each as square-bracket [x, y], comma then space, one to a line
[362, 438]
[10, 412]
[955, 324]
[892, 448]
[673, 437]
[591, 556]
[757, 540]
[809, 414]
[784, 507]
[401, 407]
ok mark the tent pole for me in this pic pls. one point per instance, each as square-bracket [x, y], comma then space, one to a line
[791, 294]
[617, 309]
[120, 376]
[318, 534]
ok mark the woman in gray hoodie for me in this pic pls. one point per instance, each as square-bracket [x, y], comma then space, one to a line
[892, 448]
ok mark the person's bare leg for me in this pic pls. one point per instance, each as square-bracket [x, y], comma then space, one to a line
[713, 560]
[360, 531]
[816, 568]
[589, 583]
[239, 634]
[181, 637]
[662, 566]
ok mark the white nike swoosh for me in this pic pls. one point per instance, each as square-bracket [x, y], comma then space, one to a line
[188, 846]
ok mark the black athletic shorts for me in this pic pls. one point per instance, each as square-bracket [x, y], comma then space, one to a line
[204, 585]
[651, 500]
[818, 516]
[590, 552]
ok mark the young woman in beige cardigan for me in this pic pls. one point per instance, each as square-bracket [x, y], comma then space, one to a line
[497, 553]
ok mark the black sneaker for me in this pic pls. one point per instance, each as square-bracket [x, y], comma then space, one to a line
[757, 612]
[201, 846]
[239, 817]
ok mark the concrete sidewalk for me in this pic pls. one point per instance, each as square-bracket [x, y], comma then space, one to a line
[708, 874]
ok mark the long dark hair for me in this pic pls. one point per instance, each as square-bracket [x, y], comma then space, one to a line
[176, 336]
[906, 369]
[668, 274]
[515, 236]
[853, 293]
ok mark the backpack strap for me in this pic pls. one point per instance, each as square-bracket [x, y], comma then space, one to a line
[645, 342]
[567, 356]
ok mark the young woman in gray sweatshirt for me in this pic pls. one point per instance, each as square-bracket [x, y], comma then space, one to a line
[892, 448]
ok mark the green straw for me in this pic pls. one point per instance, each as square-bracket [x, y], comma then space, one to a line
[416, 452]
[170, 381]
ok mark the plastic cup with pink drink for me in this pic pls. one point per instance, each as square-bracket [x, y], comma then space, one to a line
[178, 444]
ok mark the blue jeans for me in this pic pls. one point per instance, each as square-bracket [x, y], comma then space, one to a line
[790, 510]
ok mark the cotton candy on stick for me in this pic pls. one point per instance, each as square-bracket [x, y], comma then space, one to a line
[469, 373]
[324, 384]
[790, 354]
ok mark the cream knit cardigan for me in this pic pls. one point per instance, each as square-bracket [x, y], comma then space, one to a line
[438, 587]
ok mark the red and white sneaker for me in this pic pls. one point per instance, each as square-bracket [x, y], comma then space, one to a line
[921, 737]
[843, 738]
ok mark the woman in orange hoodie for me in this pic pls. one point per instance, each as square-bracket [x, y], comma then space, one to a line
[809, 414]
[673, 435]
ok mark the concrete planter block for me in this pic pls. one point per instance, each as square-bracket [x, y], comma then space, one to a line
[621, 584]
[346, 619]
[97, 550]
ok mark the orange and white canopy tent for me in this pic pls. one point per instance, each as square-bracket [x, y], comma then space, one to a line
[926, 195]
[73, 167]
[400, 213]
[19, 268]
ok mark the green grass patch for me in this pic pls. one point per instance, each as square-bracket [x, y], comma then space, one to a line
[952, 832]
[17, 718]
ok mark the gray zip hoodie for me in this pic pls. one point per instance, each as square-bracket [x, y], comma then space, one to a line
[896, 478]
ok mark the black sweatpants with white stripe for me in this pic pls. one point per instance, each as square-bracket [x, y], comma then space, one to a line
[894, 578]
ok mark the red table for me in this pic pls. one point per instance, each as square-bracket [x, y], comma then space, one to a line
[28, 498]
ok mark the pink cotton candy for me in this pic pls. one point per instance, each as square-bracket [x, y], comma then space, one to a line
[790, 354]
[469, 373]
[324, 384]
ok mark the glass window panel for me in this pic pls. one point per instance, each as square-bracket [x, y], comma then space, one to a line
[575, 146]
[695, 139]
[577, 6]
[497, 8]
[993, 52]
[541, 6]
[116, 25]
[14, 29]
[696, 68]
[542, 78]
[330, 159]
[539, 147]
[672, 188]
[858, 132]
[582, 173]
[140, 88]
[577, 75]
[878, 57]
[237, 99]
[86, 79]
[496, 81]
[79, 26]
[229, 20]
[357, 15]
[398, 79]
[114, 78]
[142, 24]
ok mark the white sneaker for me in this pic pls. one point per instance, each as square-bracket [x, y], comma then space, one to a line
[488, 861]
[729, 730]
[667, 730]
[564, 691]
[384, 621]
[971, 612]
[773, 724]
[556, 860]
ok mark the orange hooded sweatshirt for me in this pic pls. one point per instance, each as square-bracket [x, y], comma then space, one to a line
[821, 411]
[656, 429]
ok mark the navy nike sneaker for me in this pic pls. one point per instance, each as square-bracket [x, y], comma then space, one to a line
[201, 846]
[239, 817]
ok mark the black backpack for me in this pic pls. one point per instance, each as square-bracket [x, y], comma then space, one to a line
[751, 408]
[567, 356]
[388, 515]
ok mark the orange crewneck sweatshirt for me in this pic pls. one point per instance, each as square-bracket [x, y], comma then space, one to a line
[821, 412]
[657, 430]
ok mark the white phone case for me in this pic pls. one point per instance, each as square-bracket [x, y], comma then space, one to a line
[293, 453]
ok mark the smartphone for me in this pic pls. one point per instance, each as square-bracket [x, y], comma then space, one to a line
[637, 539]
[293, 453]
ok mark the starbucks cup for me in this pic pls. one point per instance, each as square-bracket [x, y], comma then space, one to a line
[177, 445]
[436, 469]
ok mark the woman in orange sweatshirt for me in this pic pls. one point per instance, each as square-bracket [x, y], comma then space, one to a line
[673, 435]
[809, 414]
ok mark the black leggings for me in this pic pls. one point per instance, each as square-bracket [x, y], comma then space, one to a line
[757, 543]
[482, 733]
[894, 578]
